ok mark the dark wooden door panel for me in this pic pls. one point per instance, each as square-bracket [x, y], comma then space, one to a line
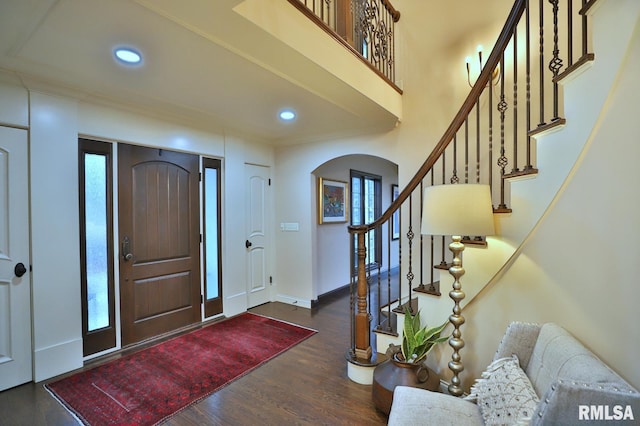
[159, 215]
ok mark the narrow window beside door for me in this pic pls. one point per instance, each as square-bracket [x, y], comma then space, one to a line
[212, 238]
[96, 236]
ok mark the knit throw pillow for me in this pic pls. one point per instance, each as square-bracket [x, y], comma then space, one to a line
[504, 393]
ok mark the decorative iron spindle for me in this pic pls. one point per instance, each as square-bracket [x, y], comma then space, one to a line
[570, 33]
[528, 167]
[515, 102]
[388, 327]
[541, 76]
[379, 284]
[490, 108]
[466, 149]
[502, 161]
[421, 285]
[432, 263]
[556, 63]
[410, 236]
[443, 262]
[454, 174]
[478, 138]
[584, 30]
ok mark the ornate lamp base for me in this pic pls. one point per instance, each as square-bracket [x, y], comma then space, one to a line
[456, 319]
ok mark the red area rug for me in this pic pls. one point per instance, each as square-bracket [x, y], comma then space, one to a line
[147, 387]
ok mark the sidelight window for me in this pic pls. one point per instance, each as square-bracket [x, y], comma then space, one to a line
[212, 237]
[96, 236]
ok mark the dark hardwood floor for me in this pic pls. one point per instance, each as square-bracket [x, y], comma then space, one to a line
[306, 385]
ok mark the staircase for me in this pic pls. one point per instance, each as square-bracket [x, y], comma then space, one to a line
[544, 107]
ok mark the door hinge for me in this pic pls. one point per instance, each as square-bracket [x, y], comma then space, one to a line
[269, 181]
[200, 237]
[270, 279]
[201, 298]
[199, 177]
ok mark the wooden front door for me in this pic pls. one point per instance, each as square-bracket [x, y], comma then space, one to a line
[159, 241]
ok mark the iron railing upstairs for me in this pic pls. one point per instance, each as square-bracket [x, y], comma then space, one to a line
[365, 27]
[484, 143]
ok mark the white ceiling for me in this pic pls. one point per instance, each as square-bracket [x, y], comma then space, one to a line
[192, 67]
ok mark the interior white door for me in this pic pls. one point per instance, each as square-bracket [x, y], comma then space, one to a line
[15, 282]
[257, 242]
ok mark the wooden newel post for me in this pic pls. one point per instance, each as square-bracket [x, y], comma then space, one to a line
[363, 346]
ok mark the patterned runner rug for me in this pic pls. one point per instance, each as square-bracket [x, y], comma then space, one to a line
[147, 387]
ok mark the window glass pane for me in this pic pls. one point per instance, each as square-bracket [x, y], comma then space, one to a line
[211, 234]
[95, 185]
[369, 201]
[356, 191]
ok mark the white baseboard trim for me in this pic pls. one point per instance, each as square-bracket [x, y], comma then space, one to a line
[303, 303]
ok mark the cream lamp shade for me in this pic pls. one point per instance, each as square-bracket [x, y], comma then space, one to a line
[457, 209]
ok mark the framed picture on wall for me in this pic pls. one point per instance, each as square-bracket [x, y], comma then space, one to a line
[333, 199]
[395, 219]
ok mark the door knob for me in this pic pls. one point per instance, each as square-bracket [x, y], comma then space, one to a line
[20, 270]
[247, 244]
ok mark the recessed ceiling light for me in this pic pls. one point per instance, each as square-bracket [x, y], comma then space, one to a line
[128, 56]
[287, 115]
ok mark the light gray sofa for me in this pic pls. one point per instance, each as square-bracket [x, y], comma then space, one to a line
[571, 383]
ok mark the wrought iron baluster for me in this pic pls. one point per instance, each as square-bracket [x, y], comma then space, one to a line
[528, 167]
[584, 30]
[556, 63]
[421, 285]
[490, 108]
[432, 263]
[466, 149]
[570, 32]
[379, 287]
[410, 235]
[454, 175]
[478, 137]
[541, 76]
[515, 168]
[502, 161]
[443, 262]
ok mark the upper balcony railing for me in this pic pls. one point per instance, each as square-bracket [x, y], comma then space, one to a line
[365, 27]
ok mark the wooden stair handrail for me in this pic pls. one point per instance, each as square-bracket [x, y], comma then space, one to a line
[392, 10]
[477, 89]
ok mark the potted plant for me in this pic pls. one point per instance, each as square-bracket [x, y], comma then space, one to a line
[405, 366]
[417, 342]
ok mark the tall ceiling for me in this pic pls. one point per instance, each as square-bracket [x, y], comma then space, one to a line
[194, 67]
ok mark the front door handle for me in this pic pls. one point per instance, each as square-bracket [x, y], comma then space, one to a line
[247, 244]
[126, 249]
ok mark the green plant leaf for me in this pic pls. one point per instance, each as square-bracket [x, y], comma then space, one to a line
[419, 341]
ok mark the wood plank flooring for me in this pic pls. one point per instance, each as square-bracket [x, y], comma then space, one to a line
[307, 385]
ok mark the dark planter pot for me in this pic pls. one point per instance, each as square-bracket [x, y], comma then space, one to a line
[395, 372]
